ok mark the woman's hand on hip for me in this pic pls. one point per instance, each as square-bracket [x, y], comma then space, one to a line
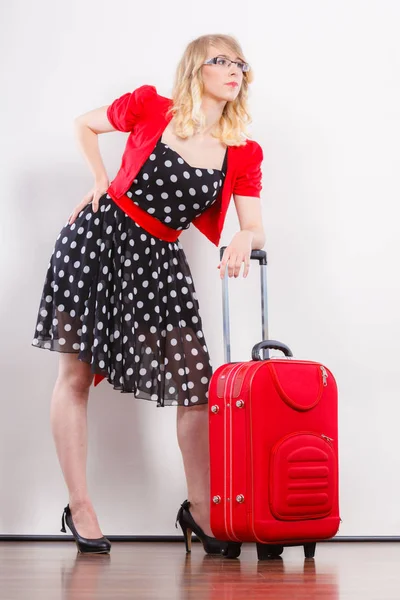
[237, 253]
[100, 188]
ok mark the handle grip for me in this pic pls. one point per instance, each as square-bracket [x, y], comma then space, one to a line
[270, 345]
[259, 255]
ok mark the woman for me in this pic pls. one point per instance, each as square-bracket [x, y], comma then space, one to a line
[118, 300]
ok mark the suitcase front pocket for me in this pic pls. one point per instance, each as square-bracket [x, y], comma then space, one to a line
[303, 477]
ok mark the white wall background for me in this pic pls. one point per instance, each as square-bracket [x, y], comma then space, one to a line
[326, 110]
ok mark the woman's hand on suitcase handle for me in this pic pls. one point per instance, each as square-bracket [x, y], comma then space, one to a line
[238, 252]
[100, 188]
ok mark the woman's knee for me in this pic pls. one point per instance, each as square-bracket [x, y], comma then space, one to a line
[74, 373]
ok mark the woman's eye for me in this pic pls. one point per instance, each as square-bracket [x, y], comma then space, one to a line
[221, 61]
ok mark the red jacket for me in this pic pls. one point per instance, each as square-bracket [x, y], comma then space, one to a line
[143, 113]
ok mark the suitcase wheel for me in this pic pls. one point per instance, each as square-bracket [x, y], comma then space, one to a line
[232, 550]
[269, 551]
[309, 550]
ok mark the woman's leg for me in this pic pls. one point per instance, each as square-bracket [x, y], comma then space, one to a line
[69, 426]
[192, 431]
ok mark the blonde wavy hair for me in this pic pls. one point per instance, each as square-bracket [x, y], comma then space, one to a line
[188, 90]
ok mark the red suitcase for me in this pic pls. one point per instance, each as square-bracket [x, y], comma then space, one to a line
[273, 447]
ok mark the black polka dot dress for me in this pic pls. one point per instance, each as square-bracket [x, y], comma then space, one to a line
[124, 300]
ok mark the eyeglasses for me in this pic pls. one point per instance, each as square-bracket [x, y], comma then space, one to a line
[222, 61]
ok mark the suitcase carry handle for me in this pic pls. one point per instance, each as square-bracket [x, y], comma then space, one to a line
[269, 344]
[261, 256]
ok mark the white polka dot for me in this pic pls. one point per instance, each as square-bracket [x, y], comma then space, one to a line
[39, 327]
[199, 366]
[167, 209]
[168, 163]
[61, 341]
[102, 364]
[164, 195]
[204, 380]
[173, 178]
[129, 372]
[66, 259]
[204, 188]
[179, 193]
[99, 325]
[199, 173]
[149, 197]
[159, 182]
[182, 207]
[152, 157]
[61, 307]
[194, 351]
[192, 191]
[119, 357]
[194, 398]
[186, 175]
[75, 346]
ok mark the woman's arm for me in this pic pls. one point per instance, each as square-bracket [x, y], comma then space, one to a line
[87, 128]
[251, 236]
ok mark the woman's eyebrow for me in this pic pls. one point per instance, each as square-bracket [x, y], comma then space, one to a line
[228, 57]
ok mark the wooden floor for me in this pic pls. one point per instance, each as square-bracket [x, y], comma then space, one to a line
[147, 571]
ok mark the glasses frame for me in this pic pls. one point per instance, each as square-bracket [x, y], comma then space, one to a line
[213, 61]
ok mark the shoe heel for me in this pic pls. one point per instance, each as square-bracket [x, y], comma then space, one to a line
[187, 534]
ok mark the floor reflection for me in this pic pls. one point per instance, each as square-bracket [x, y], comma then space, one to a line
[216, 579]
[81, 577]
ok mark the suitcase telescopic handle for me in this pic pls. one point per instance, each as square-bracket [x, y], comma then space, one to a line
[261, 257]
[256, 353]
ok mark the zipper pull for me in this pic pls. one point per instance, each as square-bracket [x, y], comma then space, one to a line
[325, 437]
[324, 375]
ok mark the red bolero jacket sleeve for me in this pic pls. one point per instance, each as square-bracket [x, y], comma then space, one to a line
[127, 110]
[248, 179]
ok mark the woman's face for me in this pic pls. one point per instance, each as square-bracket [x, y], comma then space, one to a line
[222, 81]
